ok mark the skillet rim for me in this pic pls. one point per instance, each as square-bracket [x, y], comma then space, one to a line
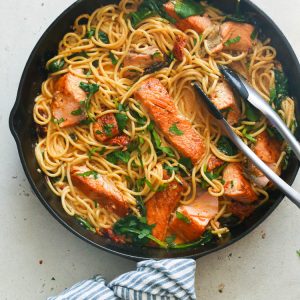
[85, 237]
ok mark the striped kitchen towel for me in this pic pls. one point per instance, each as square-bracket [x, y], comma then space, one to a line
[167, 279]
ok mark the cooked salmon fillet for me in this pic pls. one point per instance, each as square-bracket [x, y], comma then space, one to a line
[161, 108]
[160, 207]
[105, 127]
[197, 23]
[196, 217]
[223, 98]
[213, 163]
[66, 99]
[236, 186]
[120, 140]
[150, 56]
[179, 45]
[99, 188]
[233, 30]
[267, 148]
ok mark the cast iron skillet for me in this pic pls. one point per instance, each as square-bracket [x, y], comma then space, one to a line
[22, 127]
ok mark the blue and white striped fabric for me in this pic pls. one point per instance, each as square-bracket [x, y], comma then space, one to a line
[167, 279]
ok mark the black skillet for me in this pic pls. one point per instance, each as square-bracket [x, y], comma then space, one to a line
[22, 127]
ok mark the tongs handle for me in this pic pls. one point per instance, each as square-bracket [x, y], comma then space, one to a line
[248, 93]
[292, 194]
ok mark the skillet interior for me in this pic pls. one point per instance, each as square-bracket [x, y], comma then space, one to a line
[22, 127]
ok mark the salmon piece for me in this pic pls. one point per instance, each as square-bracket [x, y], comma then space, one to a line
[99, 188]
[66, 99]
[179, 45]
[236, 186]
[241, 210]
[161, 108]
[213, 163]
[197, 23]
[160, 207]
[198, 215]
[120, 140]
[267, 148]
[150, 56]
[105, 127]
[232, 30]
[223, 98]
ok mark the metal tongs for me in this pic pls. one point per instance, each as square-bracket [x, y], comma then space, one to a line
[248, 93]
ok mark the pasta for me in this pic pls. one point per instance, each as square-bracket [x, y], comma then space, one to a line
[95, 52]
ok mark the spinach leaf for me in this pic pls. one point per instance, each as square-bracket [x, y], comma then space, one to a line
[116, 156]
[287, 157]
[137, 230]
[103, 37]
[56, 65]
[150, 8]
[226, 146]
[280, 91]
[274, 133]
[171, 169]
[77, 112]
[187, 8]
[83, 222]
[205, 239]
[162, 187]
[186, 162]
[141, 120]
[90, 32]
[114, 60]
[252, 113]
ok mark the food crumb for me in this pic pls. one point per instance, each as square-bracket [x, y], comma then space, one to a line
[52, 278]
[221, 287]
[40, 261]
[263, 235]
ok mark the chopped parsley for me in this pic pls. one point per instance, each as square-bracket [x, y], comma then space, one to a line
[92, 151]
[88, 174]
[232, 41]
[107, 129]
[162, 187]
[182, 217]
[90, 33]
[77, 112]
[90, 89]
[175, 130]
[116, 156]
[122, 120]
[171, 169]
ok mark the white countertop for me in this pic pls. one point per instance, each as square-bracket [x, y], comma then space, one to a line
[39, 257]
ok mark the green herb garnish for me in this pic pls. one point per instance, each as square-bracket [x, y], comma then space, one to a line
[251, 112]
[77, 112]
[175, 130]
[107, 129]
[57, 121]
[182, 217]
[162, 187]
[88, 174]
[280, 91]
[56, 65]
[90, 33]
[83, 222]
[187, 162]
[232, 41]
